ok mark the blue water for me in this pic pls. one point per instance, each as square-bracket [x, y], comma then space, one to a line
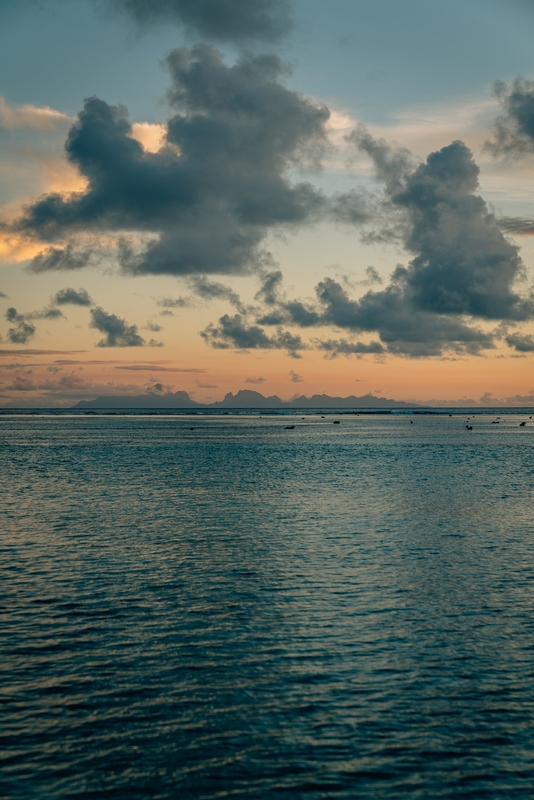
[245, 611]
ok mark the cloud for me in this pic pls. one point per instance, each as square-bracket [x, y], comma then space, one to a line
[520, 399]
[294, 377]
[73, 297]
[279, 309]
[18, 117]
[372, 277]
[117, 331]
[234, 21]
[206, 385]
[62, 258]
[71, 385]
[22, 331]
[462, 267]
[150, 134]
[462, 263]
[269, 290]
[212, 290]
[521, 343]
[517, 226]
[174, 302]
[255, 381]
[159, 388]
[46, 313]
[153, 326]
[336, 347]
[3, 296]
[157, 368]
[487, 400]
[404, 329]
[391, 165]
[204, 202]
[402, 326]
[31, 352]
[234, 332]
[514, 130]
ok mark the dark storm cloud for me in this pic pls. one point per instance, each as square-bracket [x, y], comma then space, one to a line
[235, 332]
[208, 198]
[117, 331]
[514, 130]
[521, 343]
[22, 331]
[235, 21]
[73, 297]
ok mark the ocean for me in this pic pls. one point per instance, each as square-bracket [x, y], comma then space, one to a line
[225, 606]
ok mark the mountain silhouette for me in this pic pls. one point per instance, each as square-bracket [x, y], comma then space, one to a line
[245, 398]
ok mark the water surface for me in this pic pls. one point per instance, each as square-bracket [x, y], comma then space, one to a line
[241, 610]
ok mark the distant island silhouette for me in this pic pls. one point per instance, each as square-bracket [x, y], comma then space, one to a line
[245, 398]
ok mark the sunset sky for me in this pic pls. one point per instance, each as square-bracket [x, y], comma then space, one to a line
[292, 197]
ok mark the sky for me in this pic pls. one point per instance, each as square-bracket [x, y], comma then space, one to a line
[290, 196]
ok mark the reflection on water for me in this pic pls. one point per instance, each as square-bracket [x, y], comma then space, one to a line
[242, 610]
